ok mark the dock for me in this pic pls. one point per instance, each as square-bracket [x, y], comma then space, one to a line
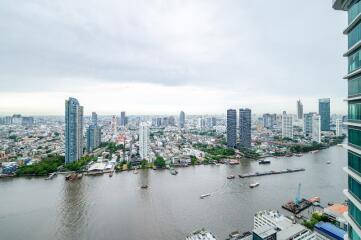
[258, 174]
[297, 207]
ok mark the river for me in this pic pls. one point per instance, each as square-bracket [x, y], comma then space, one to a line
[101, 207]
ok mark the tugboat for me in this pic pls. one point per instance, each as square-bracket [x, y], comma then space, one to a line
[253, 185]
[264, 161]
[144, 186]
[231, 177]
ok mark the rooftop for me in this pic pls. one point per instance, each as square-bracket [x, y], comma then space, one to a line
[330, 229]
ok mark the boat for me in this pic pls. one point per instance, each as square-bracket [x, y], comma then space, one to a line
[233, 162]
[79, 176]
[264, 161]
[231, 177]
[328, 162]
[71, 176]
[144, 187]
[298, 155]
[314, 151]
[253, 185]
[135, 171]
[111, 174]
[205, 195]
[173, 171]
[51, 176]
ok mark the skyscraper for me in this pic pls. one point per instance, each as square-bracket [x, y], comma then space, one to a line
[245, 127]
[182, 118]
[144, 141]
[114, 124]
[231, 128]
[94, 118]
[93, 136]
[123, 119]
[299, 109]
[307, 124]
[353, 193]
[287, 126]
[316, 128]
[324, 112]
[73, 130]
[269, 120]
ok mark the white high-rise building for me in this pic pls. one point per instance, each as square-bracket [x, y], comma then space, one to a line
[316, 128]
[144, 141]
[338, 127]
[114, 124]
[287, 126]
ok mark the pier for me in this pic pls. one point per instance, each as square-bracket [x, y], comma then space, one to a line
[258, 174]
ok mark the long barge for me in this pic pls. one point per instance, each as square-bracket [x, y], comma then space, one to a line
[272, 172]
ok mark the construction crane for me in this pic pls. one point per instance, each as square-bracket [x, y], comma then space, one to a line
[298, 196]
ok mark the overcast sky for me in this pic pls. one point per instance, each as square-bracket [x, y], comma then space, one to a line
[166, 56]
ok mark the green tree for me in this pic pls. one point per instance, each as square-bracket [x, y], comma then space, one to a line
[159, 162]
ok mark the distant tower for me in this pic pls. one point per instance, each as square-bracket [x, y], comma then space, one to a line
[231, 128]
[287, 126]
[324, 112]
[114, 124]
[316, 128]
[73, 130]
[94, 118]
[123, 119]
[299, 109]
[182, 118]
[245, 127]
[144, 141]
[338, 127]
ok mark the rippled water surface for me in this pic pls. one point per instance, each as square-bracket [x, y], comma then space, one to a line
[100, 207]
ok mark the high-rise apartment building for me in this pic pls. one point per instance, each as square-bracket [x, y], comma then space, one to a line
[324, 112]
[245, 127]
[299, 109]
[144, 141]
[114, 124]
[182, 118]
[307, 123]
[231, 128]
[287, 126]
[94, 118]
[353, 193]
[73, 130]
[269, 120]
[123, 119]
[93, 137]
[316, 128]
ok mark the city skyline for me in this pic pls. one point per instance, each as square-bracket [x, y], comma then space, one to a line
[158, 51]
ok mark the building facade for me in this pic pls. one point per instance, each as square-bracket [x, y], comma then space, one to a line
[307, 124]
[144, 141]
[93, 137]
[231, 128]
[94, 118]
[324, 112]
[269, 120]
[299, 109]
[123, 119]
[338, 127]
[353, 193]
[182, 119]
[245, 127]
[287, 126]
[316, 128]
[73, 130]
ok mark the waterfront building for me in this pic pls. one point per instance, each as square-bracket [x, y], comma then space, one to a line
[353, 193]
[269, 120]
[307, 123]
[94, 118]
[73, 130]
[245, 127]
[123, 119]
[299, 109]
[93, 136]
[324, 112]
[182, 118]
[144, 141]
[231, 128]
[338, 127]
[272, 223]
[316, 128]
[287, 126]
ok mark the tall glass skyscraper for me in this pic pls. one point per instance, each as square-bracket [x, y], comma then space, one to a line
[245, 127]
[353, 193]
[73, 130]
[231, 128]
[182, 118]
[324, 112]
[93, 137]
